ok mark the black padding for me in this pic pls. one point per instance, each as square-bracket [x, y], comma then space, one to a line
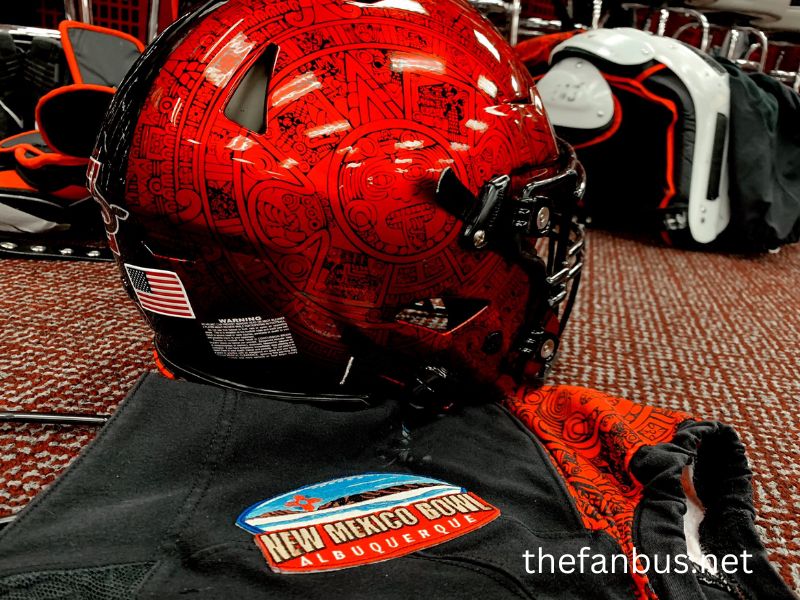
[71, 119]
[34, 138]
[7, 160]
[9, 63]
[52, 177]
[32, 204]
[577, 136]
[626, 174]
[103, 58]
[715, 177]
[8, 120]
[666, 84]
[44, 67]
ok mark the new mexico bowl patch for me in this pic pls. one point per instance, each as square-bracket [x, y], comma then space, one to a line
[362, 519]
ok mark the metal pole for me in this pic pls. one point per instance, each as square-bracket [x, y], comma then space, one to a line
[78, 10]
[152, 22]
[731, 43]
[13, 416]
[763, 42]
[662, 22]
[705, 26]
[597, 12]
[85, 10]
[70, 10]
[516, 9]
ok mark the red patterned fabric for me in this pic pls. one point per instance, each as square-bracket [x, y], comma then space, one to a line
[591, 437]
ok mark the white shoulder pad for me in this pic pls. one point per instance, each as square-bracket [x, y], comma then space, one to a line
[623, 46]
[576, 95]
[709, 89]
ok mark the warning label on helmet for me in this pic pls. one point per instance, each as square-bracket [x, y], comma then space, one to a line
[250, 337]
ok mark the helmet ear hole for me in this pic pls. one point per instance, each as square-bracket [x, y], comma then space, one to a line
[247, 106]
[441, 314]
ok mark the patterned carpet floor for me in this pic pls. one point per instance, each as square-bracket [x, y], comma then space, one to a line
[715, 335]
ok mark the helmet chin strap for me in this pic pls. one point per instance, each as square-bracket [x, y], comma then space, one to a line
[429, 386]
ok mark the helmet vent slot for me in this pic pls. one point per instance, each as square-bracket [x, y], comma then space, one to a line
[247, 106]
[441, 314]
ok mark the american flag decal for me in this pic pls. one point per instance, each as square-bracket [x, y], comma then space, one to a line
[160, 292]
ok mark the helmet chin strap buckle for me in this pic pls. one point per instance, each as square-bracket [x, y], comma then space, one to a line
[533, 216]
[481, 214]
[433, 390]
[492, 214]
[539, 346]
[482, 222]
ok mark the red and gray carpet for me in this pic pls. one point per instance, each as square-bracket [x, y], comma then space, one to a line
[715, 335]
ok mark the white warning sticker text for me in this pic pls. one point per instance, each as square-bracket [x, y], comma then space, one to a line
[250, 337]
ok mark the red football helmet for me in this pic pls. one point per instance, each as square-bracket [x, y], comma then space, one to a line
[304, 194]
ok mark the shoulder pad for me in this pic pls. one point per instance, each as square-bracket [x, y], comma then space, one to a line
[624, 46]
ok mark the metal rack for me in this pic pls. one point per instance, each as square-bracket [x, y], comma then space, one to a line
[139, 18]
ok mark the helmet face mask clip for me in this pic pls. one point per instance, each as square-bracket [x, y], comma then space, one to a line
[543, 215]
